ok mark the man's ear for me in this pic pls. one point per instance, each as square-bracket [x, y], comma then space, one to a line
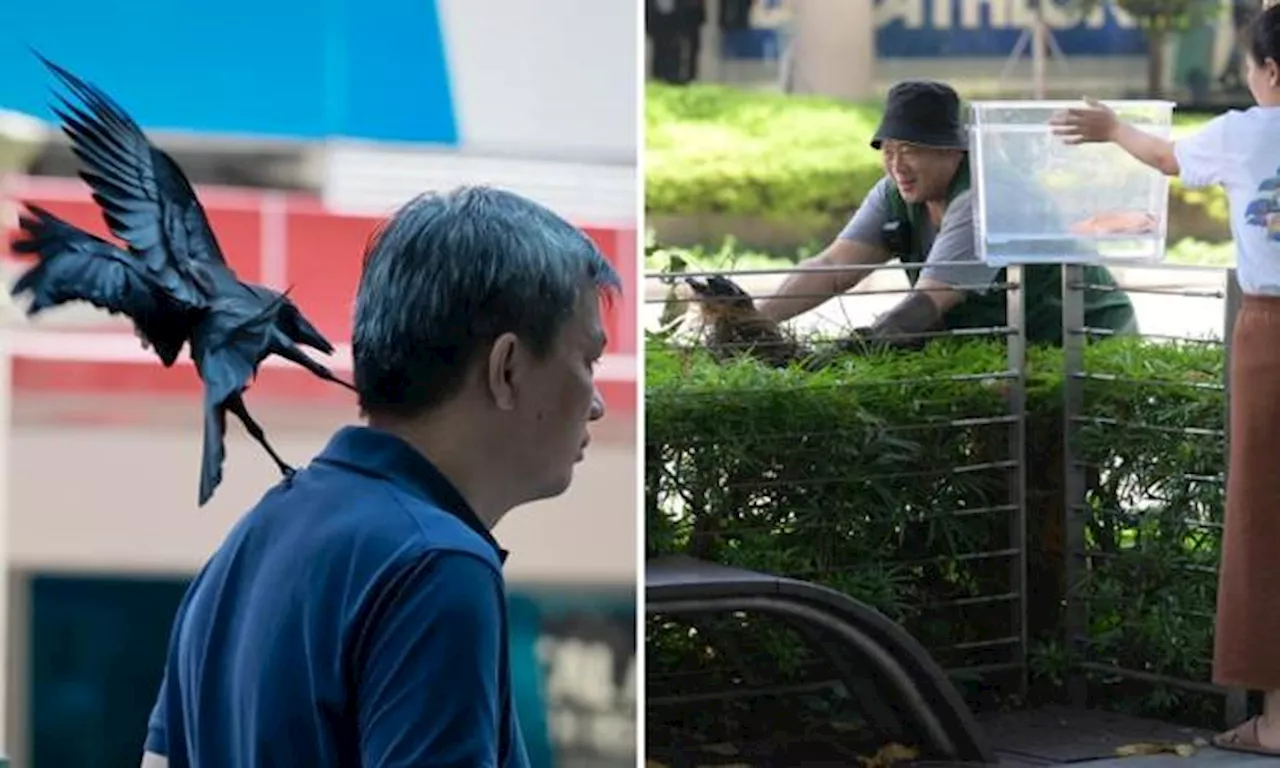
[502, 371]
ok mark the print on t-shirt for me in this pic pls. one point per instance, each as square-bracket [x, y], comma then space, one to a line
[1264, 211]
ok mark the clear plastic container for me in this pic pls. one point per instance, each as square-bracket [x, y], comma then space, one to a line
[1038, 199]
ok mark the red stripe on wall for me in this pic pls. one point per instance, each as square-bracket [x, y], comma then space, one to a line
[293, 385]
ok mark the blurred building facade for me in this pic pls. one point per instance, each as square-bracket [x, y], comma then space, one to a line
[301, 130]
[857, 50]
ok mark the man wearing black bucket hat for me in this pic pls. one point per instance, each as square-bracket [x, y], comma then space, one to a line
[921, 212]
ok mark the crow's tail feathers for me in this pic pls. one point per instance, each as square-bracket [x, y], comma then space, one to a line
[300, 330]
[47, 237]
[290, 351]
[214, 452]
[74, 265]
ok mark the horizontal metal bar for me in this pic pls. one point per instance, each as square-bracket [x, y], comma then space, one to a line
[895, 264]
[1190, 293]
[788, 436]
[956, 470]
[977, 645]
[978, 421]
[1216, 479]
[1129, 624]
[1211, 386]
[969, 287]
[829, 526]
[983, 669]
[993, 554]
[888, 265]
[829, 340]
[973, 512]
[1106, 422]
[1208, 570]
[966, 377]
[974, 421]
[991, 330]
[980, 600]
[1138, 513]
[757, 692]
[1151, 677]
[668, 298]
[1090, 331]
[1195, 478]
[1166, 266]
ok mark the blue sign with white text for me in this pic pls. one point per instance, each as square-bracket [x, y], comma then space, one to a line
[956, 29]
[991, 28]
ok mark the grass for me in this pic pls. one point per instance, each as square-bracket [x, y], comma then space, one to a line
[715, 149]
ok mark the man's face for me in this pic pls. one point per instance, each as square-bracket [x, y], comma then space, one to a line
[559, 398]
[922, 174]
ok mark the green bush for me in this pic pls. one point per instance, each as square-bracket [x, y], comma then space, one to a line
[887, 478]
[713, 149]
[716, 149]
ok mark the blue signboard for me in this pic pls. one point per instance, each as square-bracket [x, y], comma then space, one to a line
[990, 29]
[945, 29]
[284, 69]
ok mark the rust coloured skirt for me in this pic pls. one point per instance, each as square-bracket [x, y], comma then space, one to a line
[1247, 636]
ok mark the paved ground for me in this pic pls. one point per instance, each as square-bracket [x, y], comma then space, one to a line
[1058, 736]
[1197, 315]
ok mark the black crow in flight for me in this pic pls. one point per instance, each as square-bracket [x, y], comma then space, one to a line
[170, 279]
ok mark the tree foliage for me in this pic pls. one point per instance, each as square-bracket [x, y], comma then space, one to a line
[1160, 15]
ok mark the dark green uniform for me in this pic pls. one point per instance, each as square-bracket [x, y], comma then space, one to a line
[1106, 309]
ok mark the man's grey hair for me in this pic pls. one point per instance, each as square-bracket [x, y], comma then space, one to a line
[447, 275]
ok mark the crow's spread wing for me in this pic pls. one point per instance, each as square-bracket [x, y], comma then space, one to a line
[146, 199]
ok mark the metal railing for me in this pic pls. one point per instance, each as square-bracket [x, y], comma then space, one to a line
[1079, 559]
[1007, 652]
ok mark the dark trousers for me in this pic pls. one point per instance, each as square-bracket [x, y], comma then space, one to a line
[676, 44]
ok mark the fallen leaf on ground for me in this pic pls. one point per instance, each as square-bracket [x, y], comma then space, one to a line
[1155, 748]
[888, 755]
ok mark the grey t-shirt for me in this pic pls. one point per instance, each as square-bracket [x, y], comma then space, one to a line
[952, 243]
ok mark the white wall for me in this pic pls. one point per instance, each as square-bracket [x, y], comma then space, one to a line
[546, 79]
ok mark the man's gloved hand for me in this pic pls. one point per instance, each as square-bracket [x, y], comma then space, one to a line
[858, 342]
[902, 327]
[899, 328]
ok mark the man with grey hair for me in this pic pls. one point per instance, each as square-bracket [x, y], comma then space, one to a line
[356, 616]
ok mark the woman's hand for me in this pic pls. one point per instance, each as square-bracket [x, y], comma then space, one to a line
[1096, 123]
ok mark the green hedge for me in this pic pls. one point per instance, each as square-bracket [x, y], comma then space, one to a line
[845, 477]
[713, 149]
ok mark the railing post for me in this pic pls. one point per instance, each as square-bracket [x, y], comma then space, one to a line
[1073, 342]
[1015, 299]
[1237, 703]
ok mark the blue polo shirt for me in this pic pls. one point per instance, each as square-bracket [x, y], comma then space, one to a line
[355, 617]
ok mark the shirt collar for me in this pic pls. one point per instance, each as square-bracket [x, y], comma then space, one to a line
[380, 453]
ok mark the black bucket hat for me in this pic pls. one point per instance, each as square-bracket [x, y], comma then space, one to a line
[923, 112]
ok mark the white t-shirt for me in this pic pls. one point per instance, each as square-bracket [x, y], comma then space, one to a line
[1241, 151]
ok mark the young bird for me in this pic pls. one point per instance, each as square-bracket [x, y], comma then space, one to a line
[737, 327]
